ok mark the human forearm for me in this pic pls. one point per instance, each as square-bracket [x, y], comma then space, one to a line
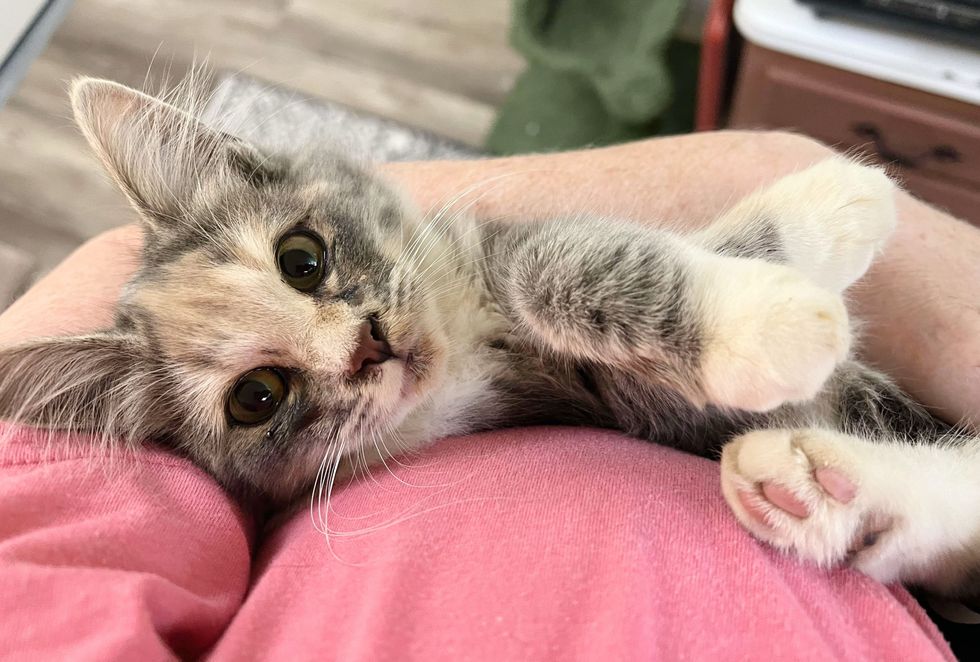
[921, 302]
[686, 180]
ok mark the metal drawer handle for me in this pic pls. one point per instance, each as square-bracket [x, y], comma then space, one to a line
[939, 153]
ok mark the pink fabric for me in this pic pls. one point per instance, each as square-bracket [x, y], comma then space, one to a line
[532, 544]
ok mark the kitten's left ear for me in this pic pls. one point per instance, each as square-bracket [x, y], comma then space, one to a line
[98, 384]
[160, 155]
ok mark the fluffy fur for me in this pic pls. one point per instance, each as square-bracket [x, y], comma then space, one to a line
[734, 339]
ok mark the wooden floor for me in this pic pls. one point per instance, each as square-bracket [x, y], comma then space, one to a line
[442, 65]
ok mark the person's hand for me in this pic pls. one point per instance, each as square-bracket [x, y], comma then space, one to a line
[80, 294]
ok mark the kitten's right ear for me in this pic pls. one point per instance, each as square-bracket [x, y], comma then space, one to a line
[158, 153]
[96, 384]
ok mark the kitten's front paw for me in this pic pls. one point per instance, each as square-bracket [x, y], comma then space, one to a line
[799, 490]
[844, 214]
[772, 336]
[861, 223]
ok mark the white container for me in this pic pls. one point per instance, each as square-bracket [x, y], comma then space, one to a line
[792, 28]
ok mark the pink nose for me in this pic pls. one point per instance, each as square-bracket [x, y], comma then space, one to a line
[372, 347]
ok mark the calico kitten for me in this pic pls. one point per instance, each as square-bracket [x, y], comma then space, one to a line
[293, 314]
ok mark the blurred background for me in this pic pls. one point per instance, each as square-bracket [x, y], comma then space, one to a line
[414, 79]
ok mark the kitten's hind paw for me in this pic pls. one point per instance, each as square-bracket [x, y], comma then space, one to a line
[800, 490]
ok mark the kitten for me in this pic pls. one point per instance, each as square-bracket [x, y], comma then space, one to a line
[293, 314]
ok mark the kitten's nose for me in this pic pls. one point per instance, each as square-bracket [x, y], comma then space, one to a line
[372, 347]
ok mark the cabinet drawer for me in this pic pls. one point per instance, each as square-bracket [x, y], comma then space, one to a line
[913, 130]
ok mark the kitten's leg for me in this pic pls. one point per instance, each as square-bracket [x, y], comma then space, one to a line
[828, 221]
[732, 332]
[893, 510]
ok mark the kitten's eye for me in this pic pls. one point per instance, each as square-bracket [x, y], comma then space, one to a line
[302, 259]
[256, 396]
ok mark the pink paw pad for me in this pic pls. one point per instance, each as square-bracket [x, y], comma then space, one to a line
[776, 495]
[836, 484]
[785, 500]
[833, 482]
[753, 506]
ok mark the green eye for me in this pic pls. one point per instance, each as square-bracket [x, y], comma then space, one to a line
[256, 396]
[302, 259]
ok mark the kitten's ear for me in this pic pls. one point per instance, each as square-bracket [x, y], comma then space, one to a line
[159, 154]
[95, 384]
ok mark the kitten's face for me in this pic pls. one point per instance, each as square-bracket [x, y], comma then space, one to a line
[278, 366]
[278, 317]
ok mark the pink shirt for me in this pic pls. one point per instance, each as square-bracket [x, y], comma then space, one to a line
[539, 544]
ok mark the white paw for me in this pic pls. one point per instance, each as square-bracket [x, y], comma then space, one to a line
[846, 213]
[858, 207]
[800, 491]
[832, 218]
[771, 335]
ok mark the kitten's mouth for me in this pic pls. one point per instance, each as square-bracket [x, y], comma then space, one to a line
[416, 357]
[410, 367]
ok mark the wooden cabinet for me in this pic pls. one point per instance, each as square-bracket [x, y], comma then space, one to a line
[931, 143]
